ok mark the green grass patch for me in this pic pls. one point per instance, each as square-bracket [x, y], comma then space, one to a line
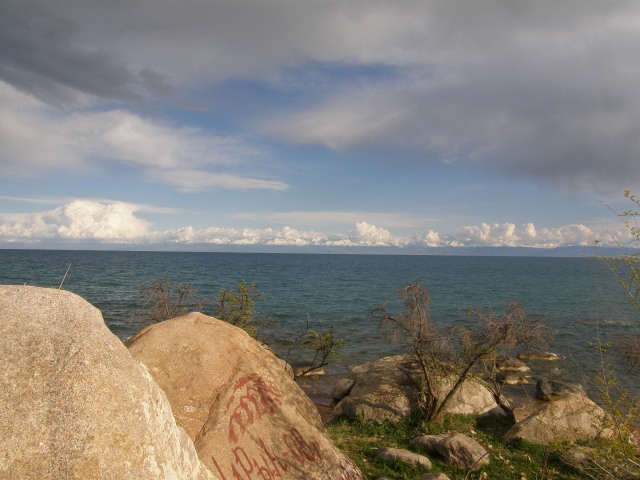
[358, 439]
[515, 460]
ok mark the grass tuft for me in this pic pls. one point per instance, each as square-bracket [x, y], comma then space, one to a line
[516, 460]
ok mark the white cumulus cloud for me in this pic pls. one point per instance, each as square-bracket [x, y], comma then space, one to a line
[429, 238]
[502, 235]
[38, 138]
[114, 222]
[370, 235]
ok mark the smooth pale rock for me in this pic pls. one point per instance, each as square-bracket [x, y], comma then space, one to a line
[385, 390]
[74, 404]
[247, 417]
[342, 388]
[472, 398]
[455, 449]
[549, 389]
[404, 456]
[568, 418]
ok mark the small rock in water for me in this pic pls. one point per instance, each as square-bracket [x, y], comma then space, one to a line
[538, 356]
[512, 379]
[305, 372]
[512, 365]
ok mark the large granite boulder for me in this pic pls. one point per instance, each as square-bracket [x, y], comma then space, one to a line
[247, 417]
[74, 404]
[567, 418]
[386, 390]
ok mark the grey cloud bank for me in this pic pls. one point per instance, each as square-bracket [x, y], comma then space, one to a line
[531, 89]
[544, 89]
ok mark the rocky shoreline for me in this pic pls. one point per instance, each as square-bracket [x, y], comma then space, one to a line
[194, 397]
[190, 398]
[382, 391]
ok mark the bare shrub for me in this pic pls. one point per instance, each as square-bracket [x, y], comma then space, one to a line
[456, 352]
[162, 301]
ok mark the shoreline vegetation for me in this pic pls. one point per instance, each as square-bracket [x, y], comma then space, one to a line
[517, 459]
[362, 441]
[476, 355]
[607, 448]
[450, 357]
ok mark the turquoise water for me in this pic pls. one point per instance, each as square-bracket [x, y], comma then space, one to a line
[577, 297]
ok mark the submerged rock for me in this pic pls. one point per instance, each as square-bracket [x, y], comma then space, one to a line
[246, 415]
[75, 405]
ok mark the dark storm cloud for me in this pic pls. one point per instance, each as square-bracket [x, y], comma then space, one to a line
[39, 55]
[544, 90]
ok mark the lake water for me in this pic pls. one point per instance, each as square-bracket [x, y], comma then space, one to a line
[578, 298]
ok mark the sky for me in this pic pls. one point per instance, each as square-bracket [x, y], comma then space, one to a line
[329, 123]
